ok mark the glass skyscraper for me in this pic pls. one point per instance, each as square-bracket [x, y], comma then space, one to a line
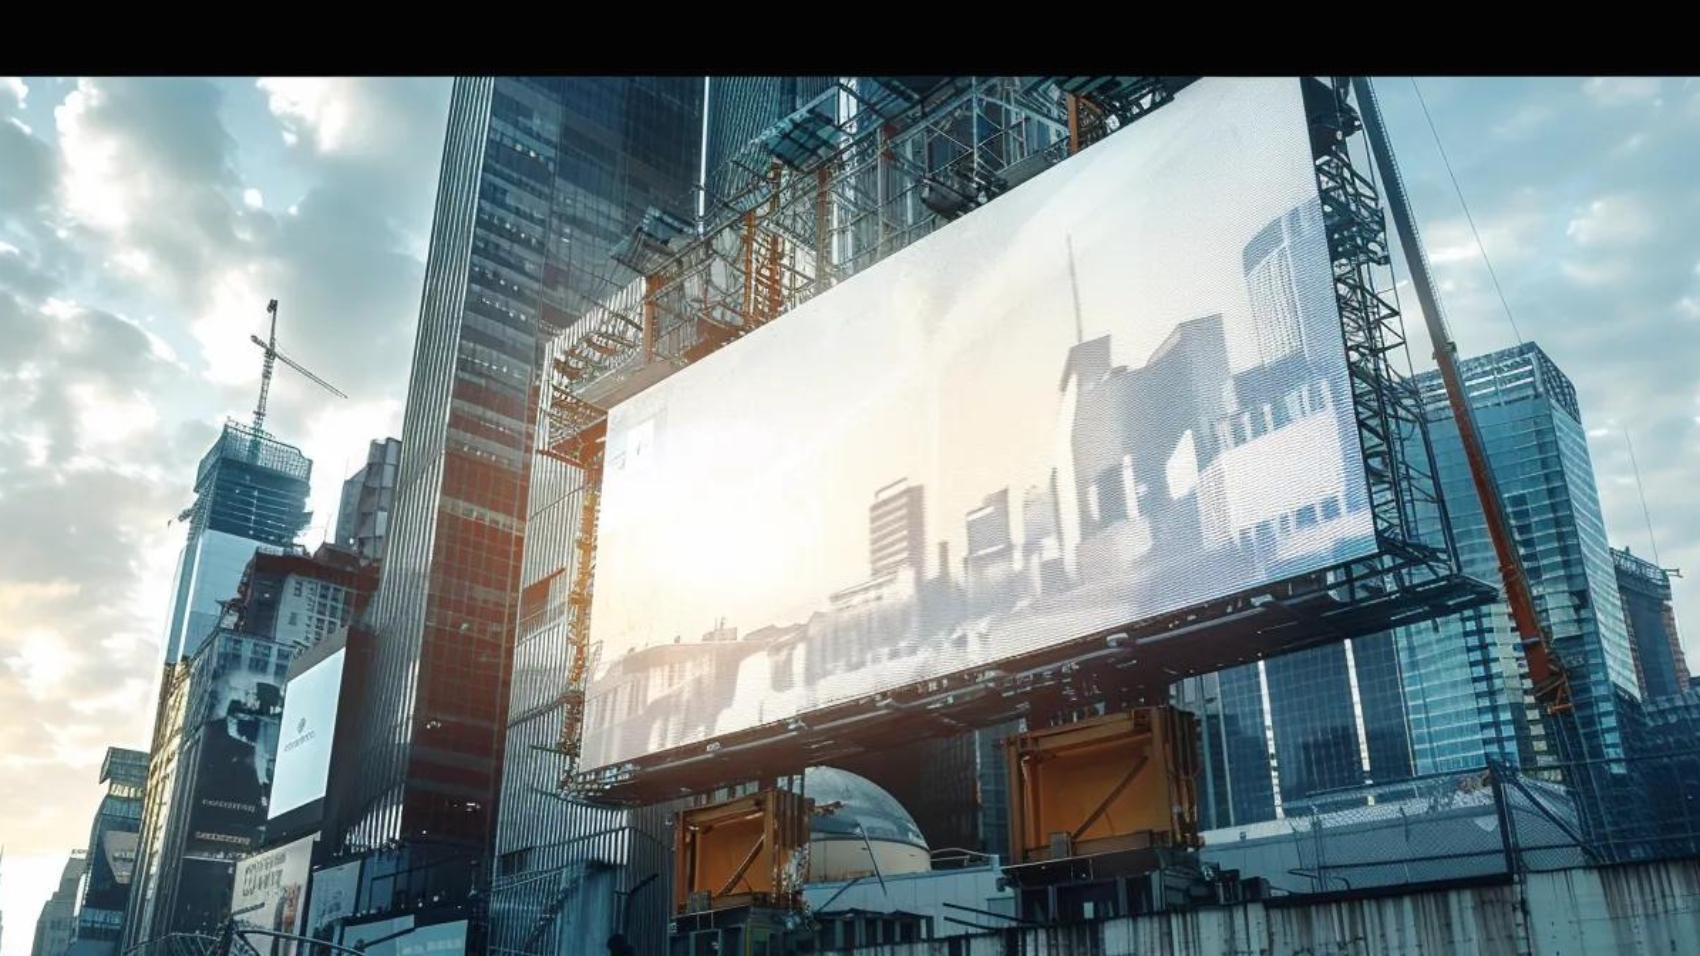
[540, 178]
[250, 493]
[1466, 678]
[741, 108]
[563, 869]
[1324, 719]
[1452, 693]
[1660, 665]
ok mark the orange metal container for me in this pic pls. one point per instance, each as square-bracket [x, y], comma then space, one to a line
[1121, 782]
[739, 852]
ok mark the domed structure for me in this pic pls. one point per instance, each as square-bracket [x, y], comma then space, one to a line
[867, 821]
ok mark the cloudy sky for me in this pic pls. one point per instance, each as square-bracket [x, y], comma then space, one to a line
[144, 224]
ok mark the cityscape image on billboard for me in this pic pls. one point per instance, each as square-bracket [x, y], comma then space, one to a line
[1118, 391]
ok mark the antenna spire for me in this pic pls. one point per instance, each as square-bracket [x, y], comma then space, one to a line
[1074, 286]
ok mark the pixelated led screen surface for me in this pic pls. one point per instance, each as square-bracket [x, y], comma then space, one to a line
[1118, 391]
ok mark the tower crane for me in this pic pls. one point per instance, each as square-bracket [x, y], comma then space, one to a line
[268, 345]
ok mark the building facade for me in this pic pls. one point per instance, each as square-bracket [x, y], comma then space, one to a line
[739, 110]
[217, 733]
[250, 494]
[363, 516]
[1660, 666]
[541, 178]
[57, 923]
[298, 599]
[209, 777]
[111, 854]
[1466, 678]
[1297, 726]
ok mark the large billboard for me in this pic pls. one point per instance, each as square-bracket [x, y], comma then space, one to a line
[335, 896]
[304, 745]
[1116, 392]
[237, 707]
[270, 893]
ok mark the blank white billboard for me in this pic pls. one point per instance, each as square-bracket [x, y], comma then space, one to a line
[304, 740]
[1118, 391]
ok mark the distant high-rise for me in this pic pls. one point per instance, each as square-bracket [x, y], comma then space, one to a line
[250, 493]
[297, 600]
[541, 178]
[111, 854]
[363, 517]
[1660, 666]
[1465, 676]
[1461, 682]
[53, 929]
[1237, 781]
[1301, 724]
[741, 108]
[897, 529]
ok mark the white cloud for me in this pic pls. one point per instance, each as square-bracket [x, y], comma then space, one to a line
[41, 660]
[110, 420]
[92, 161]
[1630, 145]
[1526, 121]
[135, 261]
[1610, 221]
[1619, 90]
[235, 310]
[1594, 273]
[59, 308]
[252, 199]
[319, 108]
[13, 88]
[1690, 306]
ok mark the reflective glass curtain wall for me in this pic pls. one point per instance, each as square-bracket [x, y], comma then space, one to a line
[540, 178]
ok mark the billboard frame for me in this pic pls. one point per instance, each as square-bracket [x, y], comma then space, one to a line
[774, 236]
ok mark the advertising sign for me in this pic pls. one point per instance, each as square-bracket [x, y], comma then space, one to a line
[335, 894]
[1116, 392]
[304, 745]
[237, 705]
[270, 893]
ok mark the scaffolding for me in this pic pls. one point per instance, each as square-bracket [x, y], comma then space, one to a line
[870, 166]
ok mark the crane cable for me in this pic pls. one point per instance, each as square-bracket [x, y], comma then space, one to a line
[1467, 217]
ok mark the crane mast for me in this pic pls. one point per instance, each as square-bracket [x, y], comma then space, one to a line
[268, 346]
[1546, 670]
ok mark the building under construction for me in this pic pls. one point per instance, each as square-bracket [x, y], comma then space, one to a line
[860, 171]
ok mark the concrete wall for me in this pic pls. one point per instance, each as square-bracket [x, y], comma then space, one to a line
[923, 894]
[1643, 909]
